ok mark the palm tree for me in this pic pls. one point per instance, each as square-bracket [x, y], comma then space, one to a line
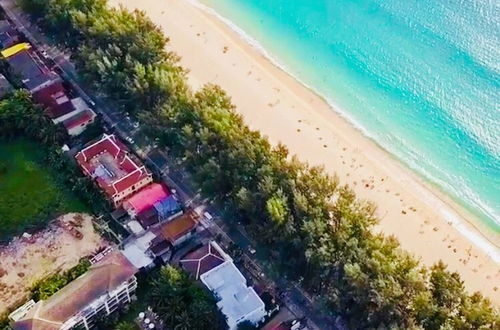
[183, 321]
[125, 326]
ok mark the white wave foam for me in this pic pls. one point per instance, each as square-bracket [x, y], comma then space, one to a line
[451, 217]
[258, 46]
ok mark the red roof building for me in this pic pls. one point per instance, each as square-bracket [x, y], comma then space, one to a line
[148, 218]
[77, 123]
[54, 99]
[202, 260]
[116, 171]
[46, 88]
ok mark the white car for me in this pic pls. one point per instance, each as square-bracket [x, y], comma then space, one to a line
[129, 139]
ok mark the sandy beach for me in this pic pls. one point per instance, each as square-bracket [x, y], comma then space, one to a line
[425, 221]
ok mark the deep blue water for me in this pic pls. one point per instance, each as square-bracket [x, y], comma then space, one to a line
[420, 77]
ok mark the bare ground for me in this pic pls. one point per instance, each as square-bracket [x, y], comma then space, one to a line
[24, 261]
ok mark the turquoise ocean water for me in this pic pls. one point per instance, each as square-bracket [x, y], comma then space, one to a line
[420, 77]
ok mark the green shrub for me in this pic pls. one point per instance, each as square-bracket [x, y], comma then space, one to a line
[50, 285]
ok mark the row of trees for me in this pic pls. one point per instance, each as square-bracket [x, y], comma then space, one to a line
[50, 285]
[317, 227]
[19, 116]
[182, 303]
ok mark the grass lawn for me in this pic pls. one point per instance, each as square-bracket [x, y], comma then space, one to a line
[30, 194]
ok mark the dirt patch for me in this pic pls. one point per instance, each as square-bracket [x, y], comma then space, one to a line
[26, 260]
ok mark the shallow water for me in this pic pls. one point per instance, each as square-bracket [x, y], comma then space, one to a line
[422, 78]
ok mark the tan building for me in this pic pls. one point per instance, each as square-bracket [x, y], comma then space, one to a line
[107, 286]
[116, 171]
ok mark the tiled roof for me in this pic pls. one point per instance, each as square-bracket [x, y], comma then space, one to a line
[120, 171]
[148, 218]
[78, 119]
[158, 247]
[167, 207]
[107, 143]
[127, 181]
[54, 99]
[36, 324]
[102, 277]
[179, 227]
[202, 260]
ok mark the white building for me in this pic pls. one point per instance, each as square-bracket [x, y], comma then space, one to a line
[216, 270]
[107, 286]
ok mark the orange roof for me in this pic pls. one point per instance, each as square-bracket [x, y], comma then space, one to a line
[179, 227]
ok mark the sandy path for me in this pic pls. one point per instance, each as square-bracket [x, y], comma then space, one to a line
[284, 110]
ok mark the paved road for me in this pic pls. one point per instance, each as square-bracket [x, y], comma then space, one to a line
[295, 299]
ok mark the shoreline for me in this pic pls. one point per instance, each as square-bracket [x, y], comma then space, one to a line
[441, 222]
[486, 233]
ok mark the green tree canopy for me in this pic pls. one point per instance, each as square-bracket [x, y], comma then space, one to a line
[183, 303]
[317, 228]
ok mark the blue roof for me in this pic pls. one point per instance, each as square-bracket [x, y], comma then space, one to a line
[167, 206]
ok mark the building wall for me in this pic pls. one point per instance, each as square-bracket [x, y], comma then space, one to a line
[118, 198]
[87, 319]
[80, 128]
[182, 239]
[66, 116]
[256, 316]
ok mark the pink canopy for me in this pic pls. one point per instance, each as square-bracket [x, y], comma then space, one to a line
[145, 199]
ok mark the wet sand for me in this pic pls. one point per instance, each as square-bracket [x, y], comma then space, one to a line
[426, 222]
